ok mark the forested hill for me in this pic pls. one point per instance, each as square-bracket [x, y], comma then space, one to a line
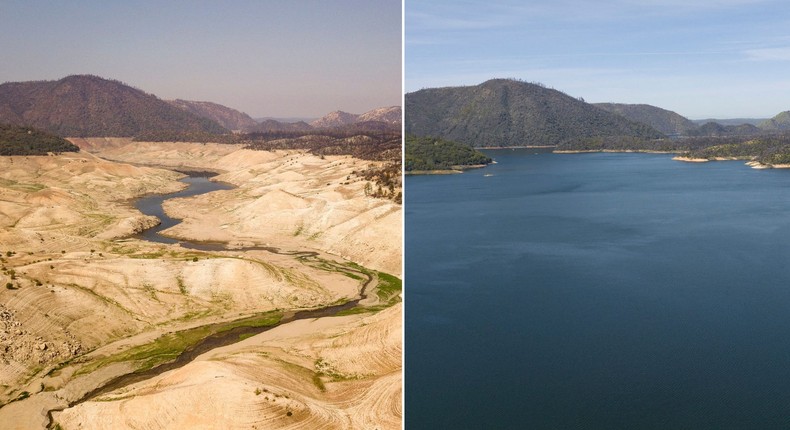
[429, 153]
[781, 122]
[665, 121]
[227, 117]
[15, 140]
[85, 106]
[504, 112]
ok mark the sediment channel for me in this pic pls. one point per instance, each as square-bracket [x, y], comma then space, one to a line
[199, 183]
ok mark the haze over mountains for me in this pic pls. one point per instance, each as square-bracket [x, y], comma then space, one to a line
[228, 118]
[238, 121]
[270, 125]
[91, 106]
[389, 115]
[729, 121]
[85, 105]
[502, 112]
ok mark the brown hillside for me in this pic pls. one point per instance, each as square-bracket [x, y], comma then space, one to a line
[85, 105]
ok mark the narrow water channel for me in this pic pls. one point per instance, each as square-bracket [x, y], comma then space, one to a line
[200, 183]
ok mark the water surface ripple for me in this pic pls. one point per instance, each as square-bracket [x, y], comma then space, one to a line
[598, 291]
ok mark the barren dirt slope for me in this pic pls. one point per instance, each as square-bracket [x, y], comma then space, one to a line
[328, 373]
[83, 303]
[285, 197]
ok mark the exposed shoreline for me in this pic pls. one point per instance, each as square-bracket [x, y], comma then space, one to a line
[690, 159]
[586, 151]
[161, 297]
[754, 164]
[453, 171]
[515, 147]
[431, 172]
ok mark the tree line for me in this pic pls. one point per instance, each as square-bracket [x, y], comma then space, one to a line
[15, 140]
[431, 153]
[767, 148]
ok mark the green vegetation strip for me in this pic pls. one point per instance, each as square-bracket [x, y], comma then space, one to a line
[169, 346]
[388, 290]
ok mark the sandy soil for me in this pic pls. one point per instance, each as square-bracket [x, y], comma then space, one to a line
[80, 293]
[327, 373]
[285, 197]
[753, 164]
[690, 159]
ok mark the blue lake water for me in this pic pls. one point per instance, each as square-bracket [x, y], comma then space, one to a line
[598, 291]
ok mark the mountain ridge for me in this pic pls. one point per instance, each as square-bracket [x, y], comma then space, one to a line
[780, 122]
[92, 106]
[506, 112]
[334, 119]
[227, 117]
[88, 105]
[389, 114]
[663, 120]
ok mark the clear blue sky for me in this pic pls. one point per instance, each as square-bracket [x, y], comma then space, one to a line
[700, 58]
[265, 57]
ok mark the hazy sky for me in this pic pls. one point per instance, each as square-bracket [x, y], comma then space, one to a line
[265, 57]
[700, 58]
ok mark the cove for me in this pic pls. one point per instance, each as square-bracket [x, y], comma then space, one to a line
[598, 291]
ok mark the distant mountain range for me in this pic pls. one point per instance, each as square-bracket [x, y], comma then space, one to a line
[665, 121]
[390, 115]
[270, 125]
[714, 129]
[671, 123]
[85, 105]
[504, 112]
[334, 119]
[90, 106]
[729, 121]
[674, 124]
[286, 119]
